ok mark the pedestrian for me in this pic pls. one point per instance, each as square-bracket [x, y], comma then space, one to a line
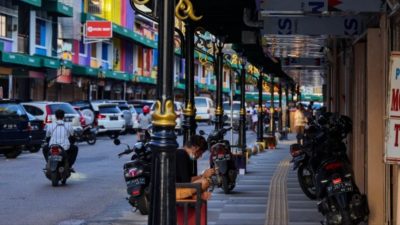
[300, 122]
[144, 122]
[254, 118]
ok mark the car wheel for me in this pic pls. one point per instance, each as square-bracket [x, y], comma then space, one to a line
[12, 154]
[34, 149]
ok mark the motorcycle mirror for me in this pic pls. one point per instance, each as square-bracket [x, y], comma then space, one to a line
[201, 132]
[117, 141]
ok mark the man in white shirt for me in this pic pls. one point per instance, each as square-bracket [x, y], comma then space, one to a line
[60, 133]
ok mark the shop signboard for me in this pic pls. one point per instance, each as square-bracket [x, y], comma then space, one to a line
[392, 137]
[98, 29]
[343, 26]
[318, 6]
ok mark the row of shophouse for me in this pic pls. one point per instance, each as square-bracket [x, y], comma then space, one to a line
[44, 54]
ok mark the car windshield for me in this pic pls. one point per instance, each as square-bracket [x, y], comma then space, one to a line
[109, 109]
[227, 106]
[10, 109]
[67, 108]
[200, 102]
[123, 107]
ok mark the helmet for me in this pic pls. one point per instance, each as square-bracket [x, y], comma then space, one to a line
[146, 109]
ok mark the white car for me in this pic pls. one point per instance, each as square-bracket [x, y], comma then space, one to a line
[205, 109]
[45, 111]
[135, 115]
[109, 117]
[179, 116]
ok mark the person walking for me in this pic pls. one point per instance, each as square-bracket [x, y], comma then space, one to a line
[254, 118]
[300, 122]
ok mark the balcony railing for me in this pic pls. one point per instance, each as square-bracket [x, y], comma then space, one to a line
[23, 44]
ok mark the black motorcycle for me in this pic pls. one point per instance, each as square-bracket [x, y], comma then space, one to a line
[221, 159]
[86, 134]
[330, 171]
[57, 167]
[137, 174]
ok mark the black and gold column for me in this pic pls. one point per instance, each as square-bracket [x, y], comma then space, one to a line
[189, 122]
[273, 126]
[219, 112]
[280, 122]
[242, 119]
[260, 122]
[163, 140]
[287, 107]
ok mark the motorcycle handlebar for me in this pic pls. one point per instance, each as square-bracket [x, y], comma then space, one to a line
[126, 152]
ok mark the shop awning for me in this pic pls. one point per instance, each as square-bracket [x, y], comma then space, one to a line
[180, 86]
[117, 75]
[37, 3]
[145, 80]
[59, 8]
[85, 70]
[123, 31]
[21, 59]
[226, 90]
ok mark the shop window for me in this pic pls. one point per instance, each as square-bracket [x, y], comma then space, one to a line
[95, 6]
[5, 26]
[40, 32]
[104, 51]
[93, 50]
[82, 48]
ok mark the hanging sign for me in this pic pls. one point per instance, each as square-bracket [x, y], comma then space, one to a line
[392, 139]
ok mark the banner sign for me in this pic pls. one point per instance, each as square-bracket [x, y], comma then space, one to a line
[348, 26]
[392, 142]
[98, 29]
[318, 6]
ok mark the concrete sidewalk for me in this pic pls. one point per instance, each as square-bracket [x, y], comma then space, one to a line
[268, 194]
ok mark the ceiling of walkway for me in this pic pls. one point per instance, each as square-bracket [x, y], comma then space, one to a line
[293, 35]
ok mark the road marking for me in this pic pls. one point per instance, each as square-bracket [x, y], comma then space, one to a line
[277, 208]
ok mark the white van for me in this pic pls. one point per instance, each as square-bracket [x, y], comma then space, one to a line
[205, 109]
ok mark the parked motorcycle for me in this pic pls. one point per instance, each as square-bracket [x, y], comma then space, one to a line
[57, 167]
[86, 134]
[137, 174]
[330, 172]
[221, 159]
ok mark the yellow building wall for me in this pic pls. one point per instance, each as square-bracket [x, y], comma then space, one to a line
[117, 9]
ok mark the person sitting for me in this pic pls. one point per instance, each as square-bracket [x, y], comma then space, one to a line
[61, 133]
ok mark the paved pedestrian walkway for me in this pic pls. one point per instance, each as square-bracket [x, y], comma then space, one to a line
[268, 194]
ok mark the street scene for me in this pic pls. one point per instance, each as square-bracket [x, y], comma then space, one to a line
[196, 112]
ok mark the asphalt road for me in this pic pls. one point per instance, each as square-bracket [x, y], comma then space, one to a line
[94, 195]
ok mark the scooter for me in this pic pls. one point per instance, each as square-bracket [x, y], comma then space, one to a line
[137, 174]
[221, 159]
[87, 133]
[57, 167]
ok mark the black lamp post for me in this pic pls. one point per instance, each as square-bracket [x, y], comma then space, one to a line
[189, 123]
[287, 106]
[280, 122]
[273, 125]
[242, 119]
[260, 122]
[219, 112]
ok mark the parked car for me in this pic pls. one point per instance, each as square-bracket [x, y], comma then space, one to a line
[45, 111]
[233, 115]
[37, 134]
[135, 115]
[205, 109]
[138, 104]
[109, 118]
[126, 112]
[86, 108]
[179, 119]
[14, 128]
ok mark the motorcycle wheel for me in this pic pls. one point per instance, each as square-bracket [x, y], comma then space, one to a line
[143, 205]
[225, 185]
[346, 219]
[306, 182]
[64, 181]
[35, 148]
[91, 139]
[54, 179]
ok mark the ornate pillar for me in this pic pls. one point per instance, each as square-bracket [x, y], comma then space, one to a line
[287, 107]
[189, 122]
[219, 112]
[272, 126]
[280, 123]
[242, 118]
[163, 141]
[260, 122]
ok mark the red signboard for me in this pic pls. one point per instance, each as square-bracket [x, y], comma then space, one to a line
[98, 29]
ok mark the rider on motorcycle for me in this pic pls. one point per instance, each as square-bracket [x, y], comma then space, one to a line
[61, 133]
[185, 160]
